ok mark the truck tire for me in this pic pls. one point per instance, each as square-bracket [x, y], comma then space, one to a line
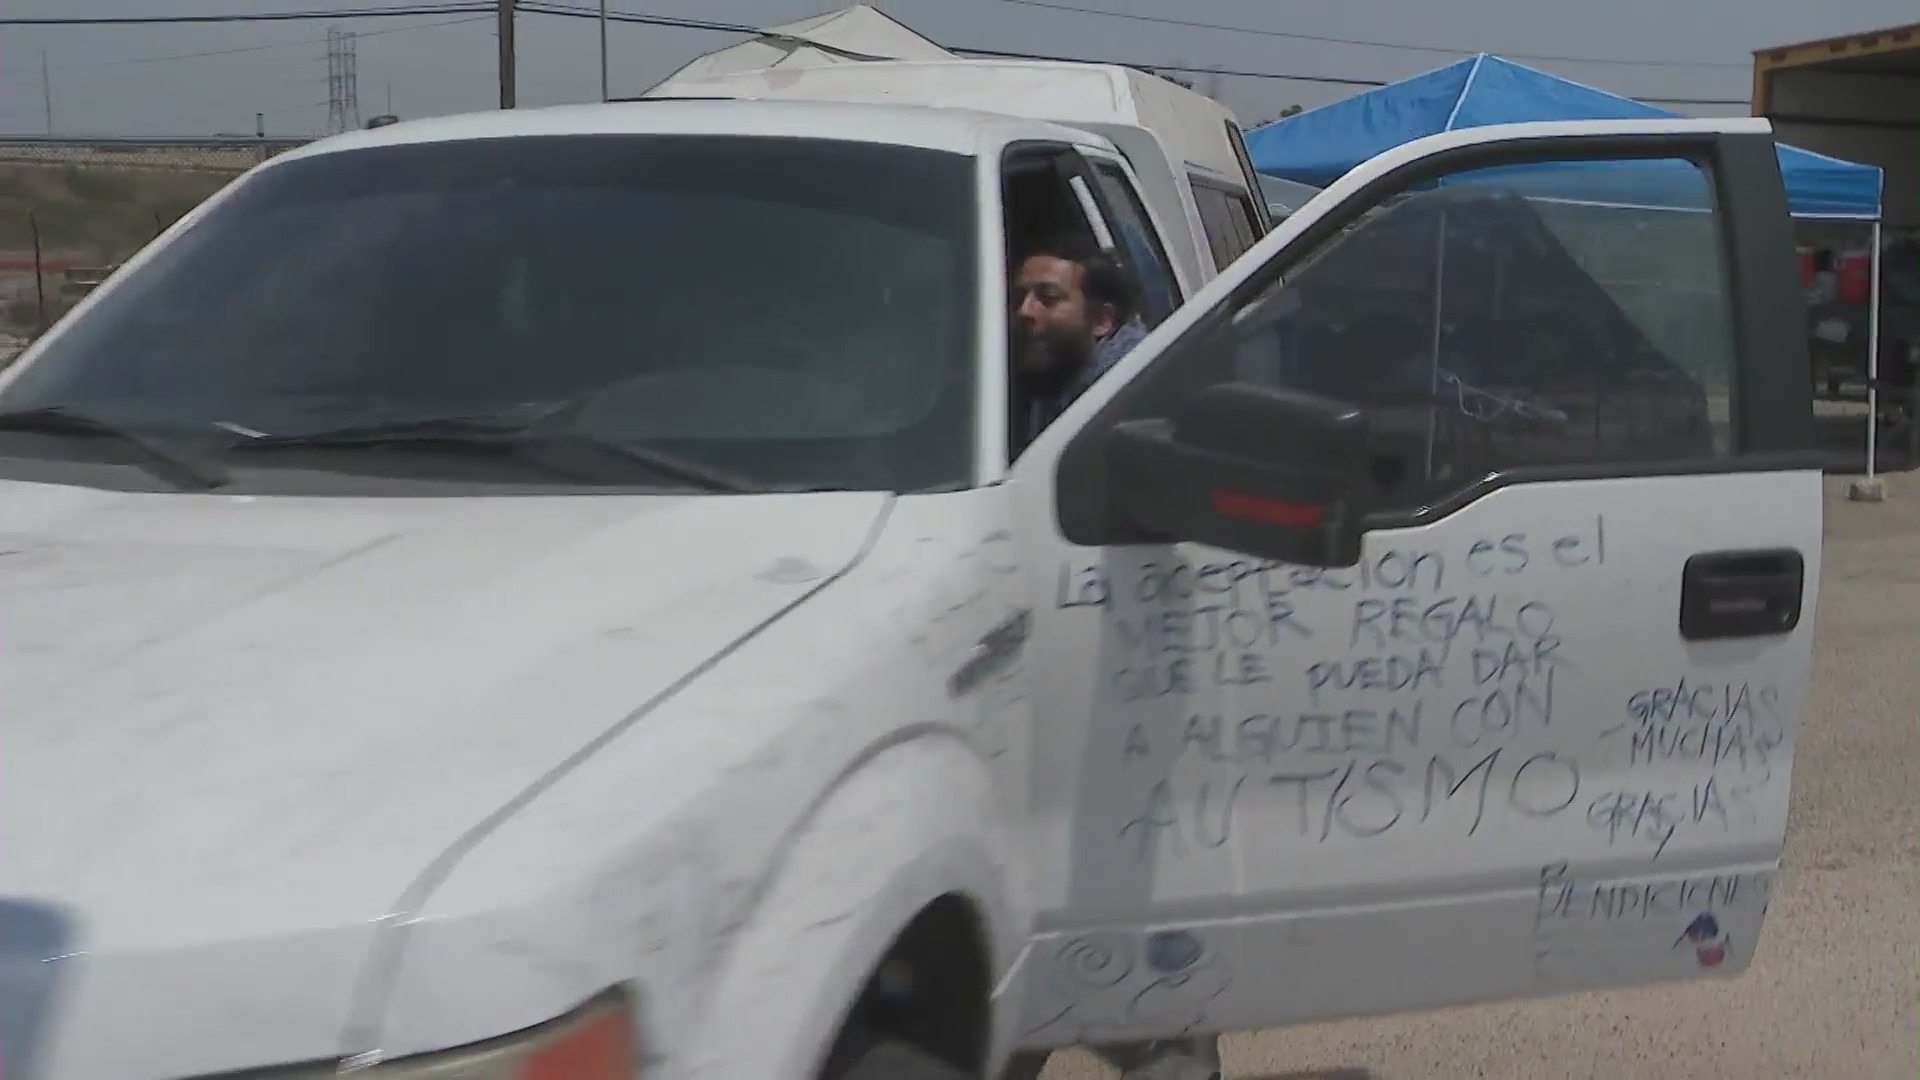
[1026, 1066]
[898, 1061]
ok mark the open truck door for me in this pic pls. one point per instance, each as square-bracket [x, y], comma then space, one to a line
[1420, 620]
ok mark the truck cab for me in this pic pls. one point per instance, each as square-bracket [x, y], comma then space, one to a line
[551, 593]
[1186, 149]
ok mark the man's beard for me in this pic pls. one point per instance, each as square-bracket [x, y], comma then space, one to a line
[1047, 359]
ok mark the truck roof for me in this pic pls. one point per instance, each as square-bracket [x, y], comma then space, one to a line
[959, 131]
[1086, 91]
[1192, 125]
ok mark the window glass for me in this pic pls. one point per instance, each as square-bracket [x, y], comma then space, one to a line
[1140, 245]
[1039, 201]
[1557, 314]
[797, 312]
[1245, 216]
[1224, 238]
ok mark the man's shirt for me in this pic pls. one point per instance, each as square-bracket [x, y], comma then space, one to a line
[1106, 353]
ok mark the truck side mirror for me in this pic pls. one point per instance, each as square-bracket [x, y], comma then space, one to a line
[1264, 472]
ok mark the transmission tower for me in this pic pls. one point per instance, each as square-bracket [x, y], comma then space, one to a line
[343, 82]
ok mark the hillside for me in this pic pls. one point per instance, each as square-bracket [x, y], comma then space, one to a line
[87, 216]
[93, 213]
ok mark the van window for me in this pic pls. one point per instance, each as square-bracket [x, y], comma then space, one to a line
[1140, 246]
[1248, 216]
[1227, 218]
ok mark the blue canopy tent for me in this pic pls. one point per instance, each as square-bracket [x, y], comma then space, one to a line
[1320, 145]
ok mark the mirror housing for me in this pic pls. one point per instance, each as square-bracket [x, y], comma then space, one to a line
[1263, 472]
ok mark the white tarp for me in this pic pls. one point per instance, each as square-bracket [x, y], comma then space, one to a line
[850, 35]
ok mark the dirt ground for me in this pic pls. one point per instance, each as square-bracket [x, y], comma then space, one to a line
[1835, 989]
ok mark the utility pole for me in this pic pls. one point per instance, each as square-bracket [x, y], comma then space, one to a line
[46, 90]
[1212, 84]
[507, 77]
[605, 93]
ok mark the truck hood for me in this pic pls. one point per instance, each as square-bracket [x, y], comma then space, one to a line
[235, 730]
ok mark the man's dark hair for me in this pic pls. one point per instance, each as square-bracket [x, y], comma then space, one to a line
[1102, 277]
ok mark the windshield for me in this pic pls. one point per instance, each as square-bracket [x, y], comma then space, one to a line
[795, 313]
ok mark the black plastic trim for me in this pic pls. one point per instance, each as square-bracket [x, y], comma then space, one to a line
[1458, 500]
[1773, 409]
[1035, 149]
[1252, 176]
[1767, 588]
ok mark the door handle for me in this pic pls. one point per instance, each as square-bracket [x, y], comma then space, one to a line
[1741, 594]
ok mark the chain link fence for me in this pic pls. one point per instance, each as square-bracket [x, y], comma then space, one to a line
[71, 210]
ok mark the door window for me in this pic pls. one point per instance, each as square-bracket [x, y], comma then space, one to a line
[1504, 319]
[1050, 204]
[1139, 244]
[1262, 220]
[1039, 201]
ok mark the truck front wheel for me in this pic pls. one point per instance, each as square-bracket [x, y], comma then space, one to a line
[897, 1061]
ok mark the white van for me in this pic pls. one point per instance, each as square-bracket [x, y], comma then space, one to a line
[1186, 147]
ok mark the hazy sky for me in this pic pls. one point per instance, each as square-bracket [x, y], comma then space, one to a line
[141, 80]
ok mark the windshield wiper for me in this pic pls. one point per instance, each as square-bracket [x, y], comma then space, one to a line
[168, 466]
[529, 439]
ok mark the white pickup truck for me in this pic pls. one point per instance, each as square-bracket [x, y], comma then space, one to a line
[547, 595]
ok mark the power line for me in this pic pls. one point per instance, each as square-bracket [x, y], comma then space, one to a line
[552, 7]
[1163, 20]
[266, 16]
[1330, 80]
[298, 43]
[576, 11]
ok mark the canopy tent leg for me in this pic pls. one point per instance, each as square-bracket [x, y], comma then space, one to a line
[1870, 489]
